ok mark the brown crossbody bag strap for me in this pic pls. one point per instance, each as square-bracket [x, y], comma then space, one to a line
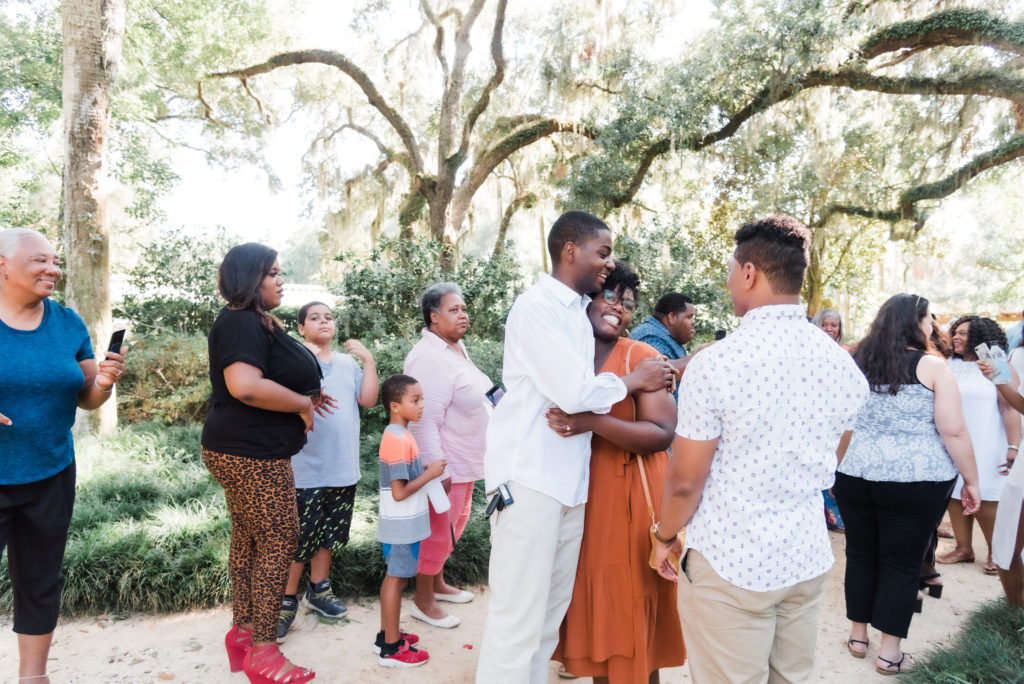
[643, 478]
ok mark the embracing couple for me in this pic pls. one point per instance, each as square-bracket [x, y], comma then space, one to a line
[569, 377]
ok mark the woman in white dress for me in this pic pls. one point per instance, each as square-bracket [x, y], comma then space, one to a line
[995, 431]
[1008, 537]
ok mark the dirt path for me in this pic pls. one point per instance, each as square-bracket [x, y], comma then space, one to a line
[189, 647]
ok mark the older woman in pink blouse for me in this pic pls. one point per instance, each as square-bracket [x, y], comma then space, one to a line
[453, 426]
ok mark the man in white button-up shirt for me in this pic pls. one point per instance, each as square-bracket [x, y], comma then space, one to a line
[761, 414]
[548, 362]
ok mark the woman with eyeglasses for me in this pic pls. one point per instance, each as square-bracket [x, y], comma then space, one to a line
[622, 624]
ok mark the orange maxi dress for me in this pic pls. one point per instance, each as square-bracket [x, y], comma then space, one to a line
[622, 622]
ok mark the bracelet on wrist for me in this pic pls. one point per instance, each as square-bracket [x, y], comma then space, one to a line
[100, 389]
[663, 540]
[1013, 446]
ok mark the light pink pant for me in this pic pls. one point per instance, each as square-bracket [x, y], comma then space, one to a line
[435, 549]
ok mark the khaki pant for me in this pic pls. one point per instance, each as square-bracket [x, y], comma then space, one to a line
[738, 636]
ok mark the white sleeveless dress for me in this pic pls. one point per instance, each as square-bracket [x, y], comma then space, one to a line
[984, 422]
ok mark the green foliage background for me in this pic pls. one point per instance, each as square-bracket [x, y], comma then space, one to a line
[150, 530]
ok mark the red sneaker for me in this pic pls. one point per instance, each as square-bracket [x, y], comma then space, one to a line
[405, 656]
[410, 639]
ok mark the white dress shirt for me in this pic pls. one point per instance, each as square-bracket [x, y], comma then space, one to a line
[778, 394]
[548, 361]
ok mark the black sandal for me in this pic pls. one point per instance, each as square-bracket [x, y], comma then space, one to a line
[898, 664]
[856, 654]
[934, 590]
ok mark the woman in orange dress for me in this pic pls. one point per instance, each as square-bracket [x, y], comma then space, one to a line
[622, 624]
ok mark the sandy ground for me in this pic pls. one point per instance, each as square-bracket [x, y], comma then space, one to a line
[189, 647]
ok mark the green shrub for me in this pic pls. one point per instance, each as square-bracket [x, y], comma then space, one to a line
[166, 380]
[173, 287]
[382, 292]
[989, 649]
[669, 259]
[151, 530]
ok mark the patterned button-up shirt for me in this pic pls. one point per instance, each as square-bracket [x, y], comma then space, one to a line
[777, 394]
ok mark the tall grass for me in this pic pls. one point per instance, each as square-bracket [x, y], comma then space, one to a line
[989, 649]
[150, 530]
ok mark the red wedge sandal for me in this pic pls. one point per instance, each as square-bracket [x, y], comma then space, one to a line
[265, 665]
[237, 642]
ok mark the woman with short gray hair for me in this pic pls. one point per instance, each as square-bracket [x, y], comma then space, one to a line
[48, 370]
[453, 427]
[831, 322]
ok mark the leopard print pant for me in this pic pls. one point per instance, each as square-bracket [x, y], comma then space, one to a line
[264, 534]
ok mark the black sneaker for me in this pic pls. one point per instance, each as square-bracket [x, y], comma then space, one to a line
[321, 599]
[289, 608]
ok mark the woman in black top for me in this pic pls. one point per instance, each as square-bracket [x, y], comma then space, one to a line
[266, 389]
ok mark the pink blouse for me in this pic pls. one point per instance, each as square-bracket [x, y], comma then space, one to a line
[455, 412]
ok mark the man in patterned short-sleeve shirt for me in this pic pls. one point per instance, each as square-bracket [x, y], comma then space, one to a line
[761, 414]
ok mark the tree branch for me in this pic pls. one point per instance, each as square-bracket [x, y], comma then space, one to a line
[438, 39]
[452, 97]
[948, 28]
[523, 199]
[498, 57]
[907, 209]
[503, 149]
[207, 109]
[259, 103]
[1007, 86]
[386, 152]
[990, 83]
[350, 69]
[903, 56]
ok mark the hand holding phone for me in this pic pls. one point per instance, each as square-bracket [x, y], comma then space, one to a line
[116, 340]
[111, 366]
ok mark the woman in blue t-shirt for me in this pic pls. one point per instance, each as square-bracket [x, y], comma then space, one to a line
[265, 390]
[47, 371]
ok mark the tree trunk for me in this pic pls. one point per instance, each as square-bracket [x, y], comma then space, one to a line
[439, 215]
[93, 31]
[813, 281]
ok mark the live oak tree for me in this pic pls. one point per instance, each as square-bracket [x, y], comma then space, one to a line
[449, 157]
[93, 31]
[913, 109]
[947, 83]
[92, 94]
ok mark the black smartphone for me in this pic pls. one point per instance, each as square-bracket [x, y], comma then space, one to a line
[116, 340]
[500, 501]
[719, 335]
[495, 394]
[506, 496]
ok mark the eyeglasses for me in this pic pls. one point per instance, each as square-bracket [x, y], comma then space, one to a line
[612, 297]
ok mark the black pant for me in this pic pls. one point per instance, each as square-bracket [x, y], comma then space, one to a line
[888, 525]
[933, 540]
[34, 520]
